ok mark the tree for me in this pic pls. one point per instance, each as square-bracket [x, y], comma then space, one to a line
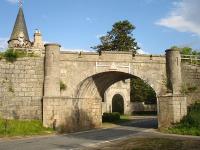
[119, 38]
[186, 50]
[141, 91]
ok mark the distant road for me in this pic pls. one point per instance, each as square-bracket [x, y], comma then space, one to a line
[82, 140]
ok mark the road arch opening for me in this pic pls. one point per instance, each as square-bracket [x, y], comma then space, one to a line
[93, 89]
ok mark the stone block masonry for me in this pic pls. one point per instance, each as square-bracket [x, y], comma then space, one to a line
[21, 88]
[71, 114]
[191, 79]
[171, 109]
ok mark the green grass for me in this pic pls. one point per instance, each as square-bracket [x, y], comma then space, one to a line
[190, 124]
[22, 128]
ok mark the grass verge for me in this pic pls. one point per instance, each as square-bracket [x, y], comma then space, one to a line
[9, 128]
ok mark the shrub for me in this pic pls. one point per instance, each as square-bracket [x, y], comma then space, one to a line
[62, 86]
[10, 55]
[111, 117]
[190, 124]
[192, 119]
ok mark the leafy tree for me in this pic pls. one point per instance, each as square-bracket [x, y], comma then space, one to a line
[119, 38]
[142, 92]
[186, 50]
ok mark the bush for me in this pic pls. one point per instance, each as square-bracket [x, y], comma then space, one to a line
[10, 55]
[111, 117]
[193, 117]
[62, 86]
[190, 124]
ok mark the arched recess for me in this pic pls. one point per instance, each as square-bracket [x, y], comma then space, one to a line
[118, 104]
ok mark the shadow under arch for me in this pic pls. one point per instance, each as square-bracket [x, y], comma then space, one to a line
[96, 85]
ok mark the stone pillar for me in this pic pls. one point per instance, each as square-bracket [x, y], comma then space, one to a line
[171, 109]
[52, 70]
[173, 106]
[173, 66]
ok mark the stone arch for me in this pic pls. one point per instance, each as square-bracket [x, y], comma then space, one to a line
[118, 103]
[96, 85]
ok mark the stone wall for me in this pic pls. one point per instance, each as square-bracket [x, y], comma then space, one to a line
[171, 109]
[191, 79]
[75, 68]
[141, 106]
[21, 88]
[70, 114]
[122, 88]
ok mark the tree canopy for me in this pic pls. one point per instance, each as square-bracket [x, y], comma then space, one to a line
[141, 91]
[186, 50]
[120, 38]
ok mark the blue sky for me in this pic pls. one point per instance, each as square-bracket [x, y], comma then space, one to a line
[77, 24]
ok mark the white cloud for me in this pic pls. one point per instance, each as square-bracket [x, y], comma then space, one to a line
[3, 43]
[12, 1]
[183, 17]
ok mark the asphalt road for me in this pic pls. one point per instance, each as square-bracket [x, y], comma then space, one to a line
[82, 140]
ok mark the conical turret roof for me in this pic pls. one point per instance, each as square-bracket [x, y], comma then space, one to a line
[20, 27]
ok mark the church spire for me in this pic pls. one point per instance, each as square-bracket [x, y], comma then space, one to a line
[19, 36]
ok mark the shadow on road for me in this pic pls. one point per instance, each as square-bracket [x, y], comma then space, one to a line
[150, 122]
[138, 124]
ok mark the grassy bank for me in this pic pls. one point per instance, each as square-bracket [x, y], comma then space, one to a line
[22, 128]
[190, 124]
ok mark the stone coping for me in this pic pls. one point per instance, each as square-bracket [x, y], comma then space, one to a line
[109, 52]
[65, 97]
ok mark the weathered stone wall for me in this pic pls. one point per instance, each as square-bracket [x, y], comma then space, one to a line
[191, 79]
[76, 68]
[70, 114]
[122, 88]
[171, 109]
[21, 88]
[141, 106]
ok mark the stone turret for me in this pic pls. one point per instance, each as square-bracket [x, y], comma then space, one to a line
[173, 64]
[52, 70]
[19, 37]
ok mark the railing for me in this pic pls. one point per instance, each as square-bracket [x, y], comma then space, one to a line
[192, 59]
